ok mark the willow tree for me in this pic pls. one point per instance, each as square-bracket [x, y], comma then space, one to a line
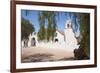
[42, 33]
[47, 22]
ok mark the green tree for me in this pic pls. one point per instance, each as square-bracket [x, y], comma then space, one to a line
[84, 50]
[47, 18]
[26, 28]
[41, 33]
[85, 32]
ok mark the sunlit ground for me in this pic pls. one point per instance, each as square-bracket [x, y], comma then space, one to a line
[38, 54]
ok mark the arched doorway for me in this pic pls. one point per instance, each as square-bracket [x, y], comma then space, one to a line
[33, 42]
[56, 40]
[25, 43]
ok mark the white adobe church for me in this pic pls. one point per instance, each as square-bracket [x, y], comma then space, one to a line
[63, 39]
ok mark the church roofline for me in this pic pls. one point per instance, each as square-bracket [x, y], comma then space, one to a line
[61, 32]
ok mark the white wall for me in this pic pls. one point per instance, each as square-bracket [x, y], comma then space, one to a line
[5, 36]
[60, 37]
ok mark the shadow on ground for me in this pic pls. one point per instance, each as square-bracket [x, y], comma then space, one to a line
[41, 57]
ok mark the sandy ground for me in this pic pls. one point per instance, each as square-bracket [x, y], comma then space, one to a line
[57, 53]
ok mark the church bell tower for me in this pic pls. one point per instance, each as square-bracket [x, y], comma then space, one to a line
[68, 26]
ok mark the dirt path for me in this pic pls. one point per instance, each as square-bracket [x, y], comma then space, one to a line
[57, 53]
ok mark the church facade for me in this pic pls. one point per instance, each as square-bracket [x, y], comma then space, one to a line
[65, 38]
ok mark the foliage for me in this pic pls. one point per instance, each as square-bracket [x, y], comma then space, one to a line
[47, 18]
[26, 28]
[83, 52]
[85, 32]
[41, 33]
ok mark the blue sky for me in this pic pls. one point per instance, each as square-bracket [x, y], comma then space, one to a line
[60, 21]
